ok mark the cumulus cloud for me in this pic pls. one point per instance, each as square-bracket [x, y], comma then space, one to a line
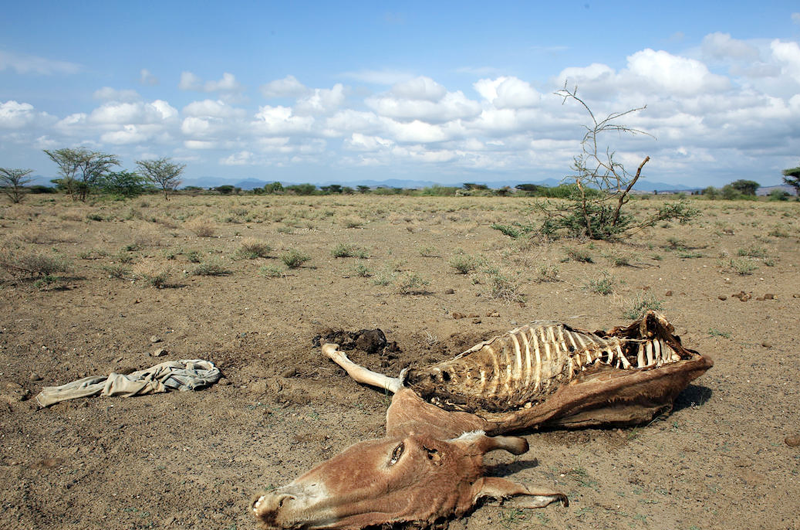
[420, 88]
[508, 92]
[425, 101]
[363, 142]
[321, 100]
[242, 158]
[674, 74]
[788, 56]
[281, 120]
[132, 113]
[227, 85]
[721, 46]
[213, 108]
[289, 87]
[31, 64]
[748, 116]
[15, 115]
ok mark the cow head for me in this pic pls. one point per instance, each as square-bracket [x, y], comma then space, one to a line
[401, 479]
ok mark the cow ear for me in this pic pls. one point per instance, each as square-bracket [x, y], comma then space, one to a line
[500, 488]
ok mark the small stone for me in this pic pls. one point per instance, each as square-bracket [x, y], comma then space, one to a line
[35, 377]
[476, 321]
[155, 339]
[668, 293]
[769, 296]
[458, 316]
[289, 372]
[493, 314]
[792, 441]
[766, 344]
[449, 291]
[722, 297]
[159, 353]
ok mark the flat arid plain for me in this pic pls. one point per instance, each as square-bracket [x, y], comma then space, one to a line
[209, 277]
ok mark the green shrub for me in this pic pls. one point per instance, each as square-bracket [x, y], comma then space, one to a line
[253, 249]
[210, 268]
[31, 264]
[294, 258]
[637, 306]
[603, 285]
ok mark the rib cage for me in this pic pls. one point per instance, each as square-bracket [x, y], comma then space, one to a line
[522, 367]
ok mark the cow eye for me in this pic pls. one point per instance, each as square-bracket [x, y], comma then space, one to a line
[397, 453]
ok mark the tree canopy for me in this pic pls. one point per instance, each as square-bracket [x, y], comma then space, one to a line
[162, 172]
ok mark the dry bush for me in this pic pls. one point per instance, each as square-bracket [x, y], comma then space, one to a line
[40, 236]
[253, 248]
[22, 264]
[147, 236]
[152, 273]
[201, 227]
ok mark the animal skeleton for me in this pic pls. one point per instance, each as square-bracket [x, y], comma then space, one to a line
[444, 418]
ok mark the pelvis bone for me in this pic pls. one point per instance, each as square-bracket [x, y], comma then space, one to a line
[444, 418]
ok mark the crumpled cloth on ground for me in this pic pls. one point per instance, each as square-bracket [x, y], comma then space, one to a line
[172, 375]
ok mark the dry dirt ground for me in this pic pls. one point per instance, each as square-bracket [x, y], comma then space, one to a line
[725, 458]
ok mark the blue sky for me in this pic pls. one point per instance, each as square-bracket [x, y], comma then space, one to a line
[448, 92]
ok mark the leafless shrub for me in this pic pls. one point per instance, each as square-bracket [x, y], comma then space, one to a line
[201, 227]
[21, 264]
[152, 273]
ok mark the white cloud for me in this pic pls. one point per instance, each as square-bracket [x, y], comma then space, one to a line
[451, 106]
[420, 88]
[129, 134]
[721, 46]
[787, 55]
[216, 109]
[242, 158]
[416, 131]
[146, 78]
[321, 100]
[796, 18]
[189, 81]
[674, 74]
[227, 85]
[14, 115]
[199, 144]
[362, 142]
[289, 86]
[31, 64]
[281, 120]
[132, 113]
[508, 92]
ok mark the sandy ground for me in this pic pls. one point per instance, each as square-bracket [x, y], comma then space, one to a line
[723, 459]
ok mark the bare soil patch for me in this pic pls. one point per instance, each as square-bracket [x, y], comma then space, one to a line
[726, 457]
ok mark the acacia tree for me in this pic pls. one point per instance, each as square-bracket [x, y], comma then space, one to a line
[67, 163]
[602, 185]
[792, 178]
[12, 181]
[162, 172]
[81, 169]
[746, 187]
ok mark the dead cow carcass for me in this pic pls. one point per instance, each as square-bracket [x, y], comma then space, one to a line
[444, 418]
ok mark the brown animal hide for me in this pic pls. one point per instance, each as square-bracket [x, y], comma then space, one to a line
[429, 467]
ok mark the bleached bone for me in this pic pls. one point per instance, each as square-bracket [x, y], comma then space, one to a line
[444, 418]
